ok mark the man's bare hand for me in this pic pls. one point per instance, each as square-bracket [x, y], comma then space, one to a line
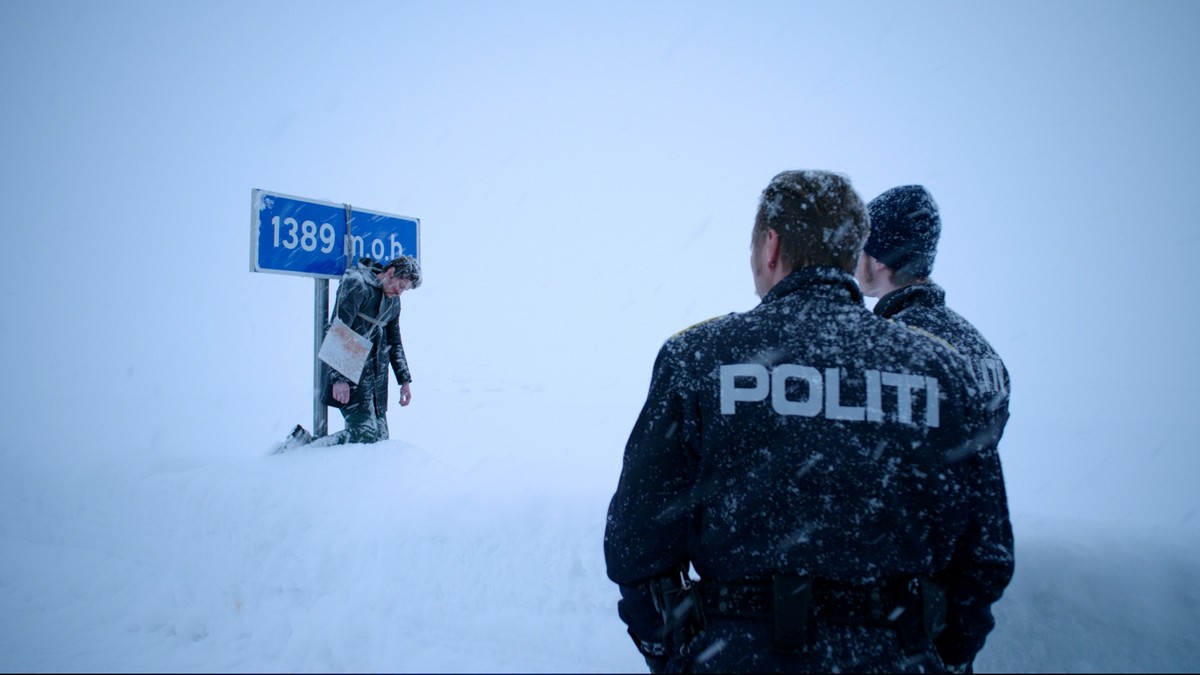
[341, 392]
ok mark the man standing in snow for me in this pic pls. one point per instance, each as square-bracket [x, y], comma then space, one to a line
[810, 462]
[894, 266]
[368, 302]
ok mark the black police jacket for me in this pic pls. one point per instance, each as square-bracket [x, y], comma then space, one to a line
[980, 575]
[803, 436]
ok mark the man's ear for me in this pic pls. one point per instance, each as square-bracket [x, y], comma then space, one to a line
[882, 269]
[772, 246]
[874, 265]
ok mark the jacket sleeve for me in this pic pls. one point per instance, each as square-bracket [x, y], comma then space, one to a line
[983, 562]
[650, 513]
[395, 351]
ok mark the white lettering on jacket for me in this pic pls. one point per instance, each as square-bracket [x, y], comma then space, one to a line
[990, 374]
[824, 393]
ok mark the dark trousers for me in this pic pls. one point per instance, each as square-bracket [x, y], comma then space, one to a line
[365, 417]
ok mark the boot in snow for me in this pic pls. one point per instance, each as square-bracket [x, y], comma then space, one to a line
[297, 438]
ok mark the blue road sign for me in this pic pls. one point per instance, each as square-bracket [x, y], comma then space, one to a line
[293, 235]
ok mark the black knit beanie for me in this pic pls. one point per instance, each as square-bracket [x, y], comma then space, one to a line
[904, 230]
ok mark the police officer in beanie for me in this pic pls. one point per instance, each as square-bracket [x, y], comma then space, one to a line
[895, 265]
[809, 462]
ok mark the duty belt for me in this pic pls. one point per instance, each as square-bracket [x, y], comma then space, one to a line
[879, 604]
[913, 606]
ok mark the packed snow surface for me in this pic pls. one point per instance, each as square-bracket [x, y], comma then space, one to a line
[469, 555]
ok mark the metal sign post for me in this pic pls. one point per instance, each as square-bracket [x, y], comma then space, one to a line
[320, 316]
[306, 237]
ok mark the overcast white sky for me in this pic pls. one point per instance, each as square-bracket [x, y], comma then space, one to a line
[586, 176]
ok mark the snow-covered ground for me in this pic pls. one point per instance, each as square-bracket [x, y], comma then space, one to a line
[469, 553]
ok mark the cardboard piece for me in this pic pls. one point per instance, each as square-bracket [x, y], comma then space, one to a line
[344, 350]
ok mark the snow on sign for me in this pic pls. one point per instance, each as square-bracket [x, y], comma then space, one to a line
[294, 235]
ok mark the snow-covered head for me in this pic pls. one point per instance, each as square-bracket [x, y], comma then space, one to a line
[818, 217]
[405, 267]
[905, 227]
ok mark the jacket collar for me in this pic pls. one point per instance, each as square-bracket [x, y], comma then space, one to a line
[825, 280]
[926, 294]
[367, 269]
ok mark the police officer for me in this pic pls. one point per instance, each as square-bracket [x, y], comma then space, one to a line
[812, 464]
[895, 266]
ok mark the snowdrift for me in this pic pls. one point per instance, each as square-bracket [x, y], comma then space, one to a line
[394, 558]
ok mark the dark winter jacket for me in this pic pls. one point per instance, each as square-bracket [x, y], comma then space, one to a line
[798, 437]
[367, 310]
[980, 575]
